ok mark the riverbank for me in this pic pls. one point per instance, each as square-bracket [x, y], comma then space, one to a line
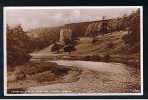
[74, 77]
[130, 60]
[39, 74]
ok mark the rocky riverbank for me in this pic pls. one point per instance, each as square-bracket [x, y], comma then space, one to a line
[39, 74]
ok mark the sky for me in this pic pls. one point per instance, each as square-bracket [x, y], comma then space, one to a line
[35, 18]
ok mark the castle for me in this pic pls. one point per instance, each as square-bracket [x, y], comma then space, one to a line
[65, 33]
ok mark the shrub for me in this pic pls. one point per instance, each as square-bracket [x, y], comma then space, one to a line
[86, 58]
[96, 58]
[69, 48]
[56, 47]
[45, 76]
[94, 40]
[31, 68]
[107, 58]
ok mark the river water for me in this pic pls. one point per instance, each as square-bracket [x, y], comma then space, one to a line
[96, 66]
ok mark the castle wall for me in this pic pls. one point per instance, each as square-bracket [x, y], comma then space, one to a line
[65, 33]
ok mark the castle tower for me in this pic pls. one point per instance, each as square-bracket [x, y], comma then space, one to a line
[65, 33]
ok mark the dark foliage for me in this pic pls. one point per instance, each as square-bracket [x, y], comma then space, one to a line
[92, 58]
[18, 46]
[87, 58]
[96, 58]
[132, 39]
[56, 47]
[69, 48]
[94, 40]
[107, 58]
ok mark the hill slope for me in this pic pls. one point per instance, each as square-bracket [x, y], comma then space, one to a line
[110, 44]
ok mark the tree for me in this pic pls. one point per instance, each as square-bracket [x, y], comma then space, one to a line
[69, 48]
[124, 22]
[56, 47]
[18, 46]
[104, 26]
[132, 39]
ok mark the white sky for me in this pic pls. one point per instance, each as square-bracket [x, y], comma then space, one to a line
[34, 18]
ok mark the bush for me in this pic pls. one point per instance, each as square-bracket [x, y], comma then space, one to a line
[92, 58]
[45, 76]
[41, 71]
[107, 58]
[18, 46]
[86, 58]
[61, 70]
[96, 58]
[31, 68]
[94, 40]
[56, 47]
[69, 48]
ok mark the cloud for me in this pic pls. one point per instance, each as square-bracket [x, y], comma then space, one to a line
[33, 18]
[75, 15]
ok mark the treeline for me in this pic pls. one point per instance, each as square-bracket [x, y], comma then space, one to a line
[132, 39]
[43, 37]
[20, 44]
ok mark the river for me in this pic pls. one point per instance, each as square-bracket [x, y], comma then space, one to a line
[96, 66]
[97, 77]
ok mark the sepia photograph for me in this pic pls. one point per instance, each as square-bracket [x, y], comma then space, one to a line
[73, 51]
